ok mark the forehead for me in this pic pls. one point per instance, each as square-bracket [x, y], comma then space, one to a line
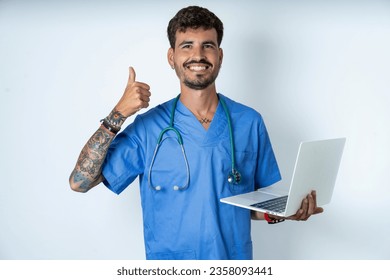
[196, 35]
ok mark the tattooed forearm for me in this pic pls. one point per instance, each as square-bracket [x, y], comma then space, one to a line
[87, 172]
[83, 181]
[99, 142]
[115, 119]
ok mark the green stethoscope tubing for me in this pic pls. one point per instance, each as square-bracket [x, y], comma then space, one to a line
[234, 177]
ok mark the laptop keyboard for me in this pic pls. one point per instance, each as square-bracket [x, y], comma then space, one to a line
[276, 205]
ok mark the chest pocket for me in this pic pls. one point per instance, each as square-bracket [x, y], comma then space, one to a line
[245, 163]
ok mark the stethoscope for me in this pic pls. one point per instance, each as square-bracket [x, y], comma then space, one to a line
[234, 176]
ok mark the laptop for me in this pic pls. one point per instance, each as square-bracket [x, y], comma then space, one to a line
[316, 168]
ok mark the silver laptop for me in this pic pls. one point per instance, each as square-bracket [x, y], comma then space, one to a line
[316, 168]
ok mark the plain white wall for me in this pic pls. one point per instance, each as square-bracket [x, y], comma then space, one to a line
[314, 69]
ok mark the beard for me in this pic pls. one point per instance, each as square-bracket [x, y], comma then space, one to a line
[202, 81]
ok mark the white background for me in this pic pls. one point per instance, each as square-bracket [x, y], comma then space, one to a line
[314, 69]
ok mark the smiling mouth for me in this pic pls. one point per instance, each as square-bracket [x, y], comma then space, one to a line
[198, 67]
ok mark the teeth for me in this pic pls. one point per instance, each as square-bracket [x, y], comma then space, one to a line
[198, 68]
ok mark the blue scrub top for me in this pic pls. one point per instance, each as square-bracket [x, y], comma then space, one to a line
[193, 223]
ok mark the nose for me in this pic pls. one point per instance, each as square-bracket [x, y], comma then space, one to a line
[198, 52]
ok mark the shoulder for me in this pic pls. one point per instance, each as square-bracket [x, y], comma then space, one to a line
[160, 110]
[239, 110]
[157, 114]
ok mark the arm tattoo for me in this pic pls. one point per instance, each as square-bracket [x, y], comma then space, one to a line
[115, 119]
[87, 172]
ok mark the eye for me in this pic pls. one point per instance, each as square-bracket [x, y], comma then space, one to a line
[186, 46]
[208, 46]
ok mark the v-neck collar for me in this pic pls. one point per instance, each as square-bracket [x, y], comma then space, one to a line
[187, 122]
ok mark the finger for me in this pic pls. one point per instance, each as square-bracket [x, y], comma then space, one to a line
[142, 105]
[311, 205]
[297, 216]
[142, 100]
[141, 92]
[305, 204]
[145, 98]
[131, 76]
[318, 210]
[145, 104]
[140, 85]
[314, 195]
[304, 209]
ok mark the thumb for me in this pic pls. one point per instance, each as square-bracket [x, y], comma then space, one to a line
[131, 75]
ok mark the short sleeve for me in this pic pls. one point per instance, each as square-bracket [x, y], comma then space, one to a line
[267, 167]
[125, 157]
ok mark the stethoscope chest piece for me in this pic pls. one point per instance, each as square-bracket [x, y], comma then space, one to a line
[234, 177]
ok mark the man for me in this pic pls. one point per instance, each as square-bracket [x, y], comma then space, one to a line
[181, 185]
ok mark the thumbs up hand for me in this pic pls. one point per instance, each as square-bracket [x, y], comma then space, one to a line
[136, 96]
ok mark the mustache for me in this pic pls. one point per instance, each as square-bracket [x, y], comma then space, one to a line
[203, 61]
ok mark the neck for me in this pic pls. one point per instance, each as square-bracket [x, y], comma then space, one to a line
[200, 102]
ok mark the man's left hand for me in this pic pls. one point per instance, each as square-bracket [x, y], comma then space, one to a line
[308, 208]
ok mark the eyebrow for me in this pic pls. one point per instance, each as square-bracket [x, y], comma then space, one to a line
[185, 43]
[203, 43]
[209, 43]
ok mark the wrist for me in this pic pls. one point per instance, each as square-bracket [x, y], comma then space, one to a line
[272, 219]
[113, 122]
[110, 129]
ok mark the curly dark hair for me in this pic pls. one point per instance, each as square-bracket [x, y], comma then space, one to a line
[194, 17]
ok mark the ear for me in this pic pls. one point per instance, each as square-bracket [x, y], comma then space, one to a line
[220, 57]
[170, 56]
